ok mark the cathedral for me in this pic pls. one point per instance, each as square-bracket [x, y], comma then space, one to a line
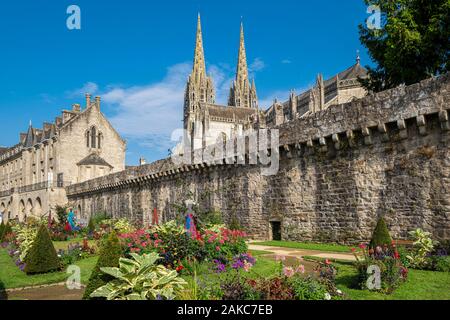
[206, 122]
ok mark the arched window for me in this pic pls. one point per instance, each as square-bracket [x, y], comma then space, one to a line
[88, 139]
[93, 137]
[99, 142]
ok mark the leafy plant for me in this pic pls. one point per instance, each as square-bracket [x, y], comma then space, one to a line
[25, 237]
[123, 226]
[308, 288]
[42, 257]
[141, 278]
[441, 264]
[423, 247]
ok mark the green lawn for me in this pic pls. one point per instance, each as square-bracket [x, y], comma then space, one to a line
[306, 246]
[62, 245]
[12, 277]
[421, 285]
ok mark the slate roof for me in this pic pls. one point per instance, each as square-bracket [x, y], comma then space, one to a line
[94, 160]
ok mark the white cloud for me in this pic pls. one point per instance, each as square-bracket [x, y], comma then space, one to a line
[286, 61]
[146, 112]
[149, 114]
[89, 87]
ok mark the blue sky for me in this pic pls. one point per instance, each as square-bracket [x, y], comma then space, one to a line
[137, 54]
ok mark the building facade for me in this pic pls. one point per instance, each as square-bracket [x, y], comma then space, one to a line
[78, 146]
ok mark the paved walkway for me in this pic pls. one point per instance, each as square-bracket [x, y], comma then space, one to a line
[300, 253]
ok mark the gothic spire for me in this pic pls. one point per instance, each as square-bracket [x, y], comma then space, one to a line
[242, 68]
[199, 68]
[241, 93]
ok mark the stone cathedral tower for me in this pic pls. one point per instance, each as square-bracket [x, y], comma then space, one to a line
[242, 94]
[200, 87]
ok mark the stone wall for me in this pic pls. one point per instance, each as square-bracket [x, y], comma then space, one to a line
[340, 169]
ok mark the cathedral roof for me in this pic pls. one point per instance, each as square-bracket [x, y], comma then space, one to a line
[94, 160]
[230, 113]
[355, 71]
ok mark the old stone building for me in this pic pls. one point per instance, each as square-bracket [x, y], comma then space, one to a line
[78, 146]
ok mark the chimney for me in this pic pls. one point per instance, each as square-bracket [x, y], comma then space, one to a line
[97, 102]
[88, 100]
[76, 108]
[142, 161]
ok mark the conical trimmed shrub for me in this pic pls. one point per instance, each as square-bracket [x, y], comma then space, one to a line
[110, 253]
[380, 235]
[42, 257]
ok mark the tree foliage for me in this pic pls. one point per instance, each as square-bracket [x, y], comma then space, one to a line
[412, 43]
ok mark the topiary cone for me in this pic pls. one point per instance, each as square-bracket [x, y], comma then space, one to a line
[110, 253]
[42, 257]
[380, 235]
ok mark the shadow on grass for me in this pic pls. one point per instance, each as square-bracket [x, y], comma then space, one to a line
[3, 293]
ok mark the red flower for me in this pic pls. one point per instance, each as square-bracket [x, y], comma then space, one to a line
[353, 249]
[180, 268]
[327, 262]
[362, 246]
[396, 255]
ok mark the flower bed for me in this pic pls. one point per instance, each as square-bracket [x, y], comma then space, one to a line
[175, 246]
[380, 269]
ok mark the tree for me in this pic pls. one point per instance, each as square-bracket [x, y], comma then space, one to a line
[380, 235]
[411, 44]
[110, 254]
[42, 257]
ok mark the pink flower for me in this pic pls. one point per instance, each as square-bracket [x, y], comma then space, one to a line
[280, 258]
[353, 250]
[327, 262]
[288, 272]
[247, 266]
[217, 248]
[362, 246]
[300, 269]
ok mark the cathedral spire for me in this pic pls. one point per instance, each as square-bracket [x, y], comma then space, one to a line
[241, 93]
[242, 68]
[199, 87]
[199, 68]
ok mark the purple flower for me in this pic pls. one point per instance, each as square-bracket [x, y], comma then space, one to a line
[219, 266]
[239, 264]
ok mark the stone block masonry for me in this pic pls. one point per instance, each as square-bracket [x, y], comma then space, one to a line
[340, 170]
